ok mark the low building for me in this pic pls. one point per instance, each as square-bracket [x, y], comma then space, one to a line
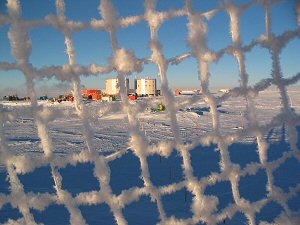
[11, 98]
[88, 92]
[188, 92]
[178, 92]
[93, 94]
[145, 86]
[225, 90]
[112, 86]
[107, 98]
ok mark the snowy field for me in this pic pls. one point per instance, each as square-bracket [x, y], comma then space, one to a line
[111, 137]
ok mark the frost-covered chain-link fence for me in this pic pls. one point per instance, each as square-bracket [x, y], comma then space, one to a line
[203, 206]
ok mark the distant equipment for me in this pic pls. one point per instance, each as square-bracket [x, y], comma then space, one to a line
[224, 90]
[132, 97]
[161, 107]
[45, 97]
[187, 92]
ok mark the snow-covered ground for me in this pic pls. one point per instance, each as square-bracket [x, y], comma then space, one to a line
[111, 134]
[110, 123]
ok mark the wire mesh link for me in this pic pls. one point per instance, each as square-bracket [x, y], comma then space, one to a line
[124, 62]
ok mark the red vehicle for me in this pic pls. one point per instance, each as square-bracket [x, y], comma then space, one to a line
[132, 97]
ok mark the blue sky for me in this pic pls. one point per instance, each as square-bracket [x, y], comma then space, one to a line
[48, 46]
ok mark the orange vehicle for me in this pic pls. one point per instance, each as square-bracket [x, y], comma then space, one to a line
[132, 97]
